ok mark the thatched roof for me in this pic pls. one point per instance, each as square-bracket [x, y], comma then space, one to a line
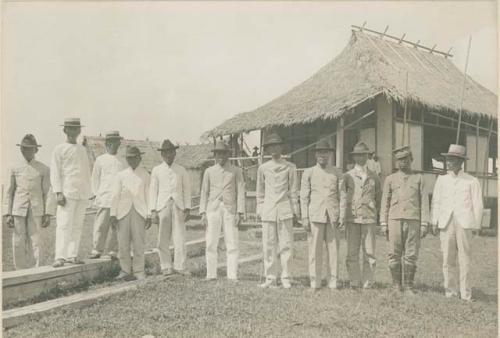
[189, 156]
[367, 67]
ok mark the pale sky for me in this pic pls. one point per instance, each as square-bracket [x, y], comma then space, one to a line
[175, 70]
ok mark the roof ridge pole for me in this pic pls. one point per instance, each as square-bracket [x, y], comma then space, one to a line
[463, 90]
[405, 122]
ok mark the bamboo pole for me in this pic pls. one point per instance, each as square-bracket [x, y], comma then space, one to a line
[463, 90]
[486, 157]
[405, 122]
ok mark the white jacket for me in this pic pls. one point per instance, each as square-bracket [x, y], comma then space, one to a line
[459, 195]
[130, 190]
[169, 182]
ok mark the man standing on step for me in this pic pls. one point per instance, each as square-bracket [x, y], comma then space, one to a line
[320, 204]
[70, 179]
[130, 214]
[457, 210]
[222, 204]
[359, 214]
[404, 217]
[278, 208]
[104, 173]
[170, 202]
[25, 204]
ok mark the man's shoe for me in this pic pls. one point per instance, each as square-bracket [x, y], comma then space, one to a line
[140, 276]
[210, 279]
[269, 283]
[113, 257]
[184, 272]
[369, 285]
[122, 276]
[333, 285]
[94, 255]
[167, 272]
[58, 263]
[451, 294]
[75, 260]
[286, 283]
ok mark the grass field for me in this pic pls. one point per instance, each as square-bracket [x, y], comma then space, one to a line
[48, 241]
[194, 308]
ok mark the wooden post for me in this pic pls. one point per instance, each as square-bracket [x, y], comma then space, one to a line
[405, 113]
[463, 89]
[486, 157]
[339, 153]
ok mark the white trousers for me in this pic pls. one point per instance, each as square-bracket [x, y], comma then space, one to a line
[217, 219]
[131, 230]
[102, 227]
[277, 238]
[172, 226]
[69, 221]
[25, 241]
[456, 243]
[323, 234]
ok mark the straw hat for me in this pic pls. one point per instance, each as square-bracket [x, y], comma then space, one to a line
[456, 150]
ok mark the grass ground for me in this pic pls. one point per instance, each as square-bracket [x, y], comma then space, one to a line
[194, 308]
[48, 241]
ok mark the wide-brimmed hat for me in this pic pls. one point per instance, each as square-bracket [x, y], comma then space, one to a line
[221, 146]
[72, 122]
[456, 150]
[360, 148]
[167, 145]
[272, 138]
[29, 141]
[323, 144]
[402, 152]
[132, 151]
[113, 134]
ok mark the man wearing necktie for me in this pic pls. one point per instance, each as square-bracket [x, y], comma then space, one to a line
[359, 213]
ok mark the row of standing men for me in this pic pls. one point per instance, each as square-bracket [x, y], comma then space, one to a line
[328, 203]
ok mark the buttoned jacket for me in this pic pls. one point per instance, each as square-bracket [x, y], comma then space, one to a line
[131, 189]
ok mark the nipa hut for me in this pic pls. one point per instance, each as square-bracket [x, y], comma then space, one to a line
[361, 96]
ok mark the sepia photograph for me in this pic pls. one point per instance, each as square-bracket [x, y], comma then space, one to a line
[249, 168]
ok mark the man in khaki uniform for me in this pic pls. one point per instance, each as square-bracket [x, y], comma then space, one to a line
[359, 213]
[320, 205]
[278, 207]
[404, 214]
[25, 204]
[457, 210]
[222, 205]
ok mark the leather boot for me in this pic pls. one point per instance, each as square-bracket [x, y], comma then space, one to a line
[396, 277]
[409, 276]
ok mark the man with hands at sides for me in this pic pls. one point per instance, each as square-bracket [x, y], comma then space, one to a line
[404, 217]
[320, 204]
[222, 204]
[130, 214]
[278, 207]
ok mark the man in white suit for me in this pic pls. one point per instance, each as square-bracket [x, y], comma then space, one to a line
[170, 202]
[457, 209]
[130, 213]
[222, 204]
[70, 179]
[278, 207]
[106, 167]
[320, 204]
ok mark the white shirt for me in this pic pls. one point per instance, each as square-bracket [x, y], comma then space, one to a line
[169, 183]
[459, 195]
[70, 171]
[104, 173]
[130, 189]
[374, 166]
